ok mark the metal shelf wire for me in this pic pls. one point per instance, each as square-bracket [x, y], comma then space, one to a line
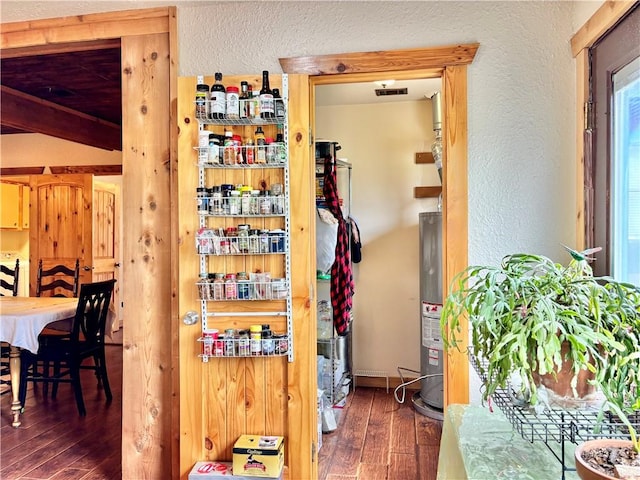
[555, 426]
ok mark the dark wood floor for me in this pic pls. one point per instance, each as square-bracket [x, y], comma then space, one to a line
[377, 439]
[54, 442]
[380, 439]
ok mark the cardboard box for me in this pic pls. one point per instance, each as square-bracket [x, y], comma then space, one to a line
[215, 471]
[258, 456]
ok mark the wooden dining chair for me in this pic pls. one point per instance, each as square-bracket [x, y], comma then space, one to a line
[9, 278]
[8, 282]
[57, 281]
[60, 280]
[69, 353]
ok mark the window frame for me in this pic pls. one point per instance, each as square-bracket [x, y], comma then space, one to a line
[606, 17]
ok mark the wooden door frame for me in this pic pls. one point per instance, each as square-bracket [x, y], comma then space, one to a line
[595, 28]
[148, 38]
[450, 64]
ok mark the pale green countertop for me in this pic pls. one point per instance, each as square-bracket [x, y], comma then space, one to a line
[480, 445]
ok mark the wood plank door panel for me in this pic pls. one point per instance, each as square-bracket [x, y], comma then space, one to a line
[60, 223]
[224, 398]
[106, 240]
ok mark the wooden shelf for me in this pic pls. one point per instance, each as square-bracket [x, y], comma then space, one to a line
[424, 157]
[427, 192]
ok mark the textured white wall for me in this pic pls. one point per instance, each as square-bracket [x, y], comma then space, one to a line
[521, 87]
[521, 84]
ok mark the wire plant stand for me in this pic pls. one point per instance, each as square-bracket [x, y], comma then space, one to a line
[555, 426]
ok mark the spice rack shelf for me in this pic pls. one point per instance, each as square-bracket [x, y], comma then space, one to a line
[241, 348]
[267, 249]
[556, 426]
[248, 291]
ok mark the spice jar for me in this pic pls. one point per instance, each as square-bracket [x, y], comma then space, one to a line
[203, 200]
[214, 148]
[243, 238]
[245, 200]
[234, 202]
[243, 343]
[268, 346]
[254, 241]
[228, 154]
[229, 342]
[218, 287]
[203, 287]
[215, 200]
[243, 286]
[255, 340]
[230, 287]
[233, 103]
[264, 241]
[265, 203]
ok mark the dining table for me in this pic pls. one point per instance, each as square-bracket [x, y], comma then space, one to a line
[22, 319]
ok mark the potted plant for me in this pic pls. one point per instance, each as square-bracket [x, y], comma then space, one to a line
[618, 376]
[530, 316]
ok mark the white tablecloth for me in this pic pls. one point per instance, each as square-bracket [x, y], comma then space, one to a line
[23, 318]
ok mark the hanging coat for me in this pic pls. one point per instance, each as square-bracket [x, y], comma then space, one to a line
[341, 276]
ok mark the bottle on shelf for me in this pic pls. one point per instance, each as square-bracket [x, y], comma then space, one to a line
[261, 146]
[244, 99]
[266, 97]
[281, 155]
[202, 99]
[218, 99]
[253, 105]
[278, 104]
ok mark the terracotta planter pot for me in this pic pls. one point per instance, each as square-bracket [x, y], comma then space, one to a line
[586, 471]
[561, 385]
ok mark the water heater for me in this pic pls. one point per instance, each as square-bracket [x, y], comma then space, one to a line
[429, 400]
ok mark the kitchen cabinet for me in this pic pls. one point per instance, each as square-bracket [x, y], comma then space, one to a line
[14, 207]
[24, 195]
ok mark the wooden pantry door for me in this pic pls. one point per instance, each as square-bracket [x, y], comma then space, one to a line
[223, 398]
[60, 224]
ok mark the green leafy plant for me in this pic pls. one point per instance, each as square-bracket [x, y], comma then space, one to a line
[522, 312]
[618, 375]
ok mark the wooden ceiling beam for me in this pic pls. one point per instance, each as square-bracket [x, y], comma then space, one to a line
[92, 169]
[33, 114]
[57, 48]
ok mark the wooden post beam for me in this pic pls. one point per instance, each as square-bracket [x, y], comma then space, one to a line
[32, 114]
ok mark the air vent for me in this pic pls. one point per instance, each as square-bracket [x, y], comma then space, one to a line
[383, 92]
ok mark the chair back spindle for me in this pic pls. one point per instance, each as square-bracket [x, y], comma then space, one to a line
[58, 281]
[9, 279]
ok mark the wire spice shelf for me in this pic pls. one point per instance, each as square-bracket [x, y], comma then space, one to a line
[556, 426]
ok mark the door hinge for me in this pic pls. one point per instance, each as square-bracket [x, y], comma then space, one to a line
[313, 452]
[589, 121]
[310, 137]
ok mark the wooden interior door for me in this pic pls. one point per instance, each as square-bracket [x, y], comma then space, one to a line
[223, 398]
[60, 224]
[106, 240]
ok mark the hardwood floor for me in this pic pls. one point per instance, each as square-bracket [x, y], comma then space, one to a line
[56, 443]
[377, 438]
[380, 439]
